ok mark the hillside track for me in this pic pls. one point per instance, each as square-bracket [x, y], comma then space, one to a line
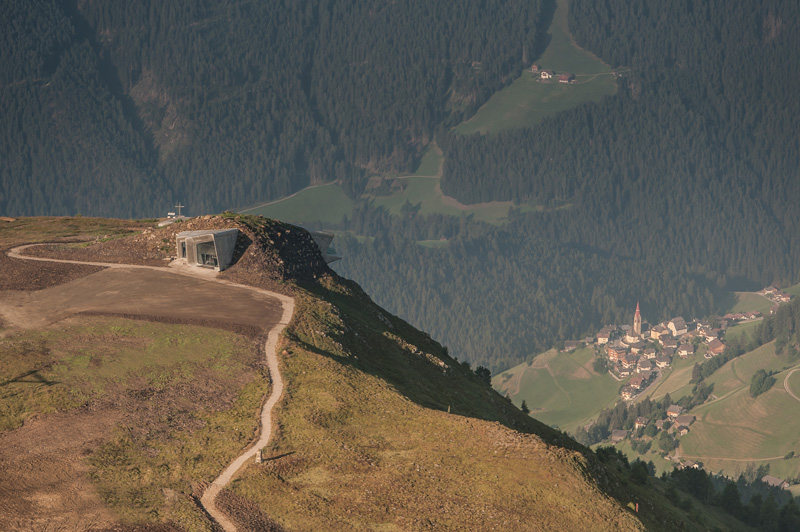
[786, 384]
[209, 496]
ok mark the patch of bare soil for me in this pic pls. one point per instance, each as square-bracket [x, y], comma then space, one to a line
[114, 251]
[45, 483]
[151, 294]
[29, 275]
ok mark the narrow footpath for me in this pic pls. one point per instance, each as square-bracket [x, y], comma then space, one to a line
[208, 499]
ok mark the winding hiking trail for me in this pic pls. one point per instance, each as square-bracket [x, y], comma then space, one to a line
[208, 499]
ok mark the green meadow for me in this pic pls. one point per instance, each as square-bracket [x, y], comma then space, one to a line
[741, 329]
[738, 372]
[737, 429]
[675, 379]
[323, 203]
[528, 100]
[560, 388]
[747, 302]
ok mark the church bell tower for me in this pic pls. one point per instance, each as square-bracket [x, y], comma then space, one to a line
[637, 320]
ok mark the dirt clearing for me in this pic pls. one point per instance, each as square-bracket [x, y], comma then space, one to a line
[140, 292]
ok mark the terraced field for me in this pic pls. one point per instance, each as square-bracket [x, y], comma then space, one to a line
[731, 432]
[739, 371]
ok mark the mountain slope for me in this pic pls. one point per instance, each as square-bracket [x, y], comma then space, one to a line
[379, 427]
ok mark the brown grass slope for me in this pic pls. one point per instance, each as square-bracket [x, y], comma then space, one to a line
[379, 428]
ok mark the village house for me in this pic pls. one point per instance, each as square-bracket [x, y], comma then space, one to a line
[547, 74]
[775, 482]
[535, 68]
[703, 326]
[644, 365]
[603, 337]
[615, 354]
[669, 342]
[662, 362]
[649, 353]
[637, 347]
[566, 78]
[570, 345]
[677, 326]
[660, 424]
[682, 430]
[668, 352]
[628, 362]
[685, 419]
[627, 392]
[617, 435]
[658, 331]
[641, 422]
[646, 375]
[674, 411]
[782, 297]
[624, 372]
[636, 382]
[715, 347]
[685, 350]
[689, 464]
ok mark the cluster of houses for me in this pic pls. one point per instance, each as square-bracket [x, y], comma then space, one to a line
[776, 295]
[640, 351]
[678, 423]
[546, 75]
[640, 355]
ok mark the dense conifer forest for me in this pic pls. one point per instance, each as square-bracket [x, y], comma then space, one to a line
[123, 108]
[499, 295]
[695, 161]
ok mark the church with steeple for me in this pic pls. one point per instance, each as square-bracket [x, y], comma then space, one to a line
[637, 321]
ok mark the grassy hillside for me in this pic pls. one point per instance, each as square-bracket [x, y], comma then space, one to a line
[744, 302]
[738, 429]
[675, 379]
[144, 411]
[528, 100]
[561, 389]
[379, 428]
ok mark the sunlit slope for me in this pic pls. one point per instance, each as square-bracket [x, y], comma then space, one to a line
[561, 389]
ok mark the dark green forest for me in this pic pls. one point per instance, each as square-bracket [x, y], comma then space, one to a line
[498, 295]
[696, 159]
[123, 108]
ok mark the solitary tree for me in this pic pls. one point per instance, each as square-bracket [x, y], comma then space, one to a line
[524, 407]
